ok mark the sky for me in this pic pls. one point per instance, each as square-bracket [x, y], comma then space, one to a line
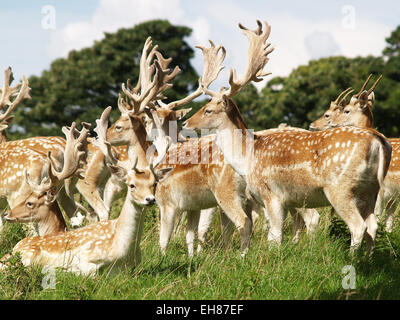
[37, 32]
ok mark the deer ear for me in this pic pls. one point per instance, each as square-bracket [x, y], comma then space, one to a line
[226, 104]
[363, 99]
[371, 97]
[119, 172]
[180, 114]
[163, 173]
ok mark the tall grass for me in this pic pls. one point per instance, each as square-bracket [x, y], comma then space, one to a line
[310, 269]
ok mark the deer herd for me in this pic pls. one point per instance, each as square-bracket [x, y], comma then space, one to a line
[342, 162]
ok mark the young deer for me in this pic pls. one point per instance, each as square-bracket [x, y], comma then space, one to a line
[343, 167]
[113, 242]
[36, 199]
[358, 113]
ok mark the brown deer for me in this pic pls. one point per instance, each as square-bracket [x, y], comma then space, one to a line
[344, 167]
[36, 186]
[358, 112]
[113, 242]
[55, 145]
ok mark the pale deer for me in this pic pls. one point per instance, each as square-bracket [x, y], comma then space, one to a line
[344, 167]
[113, 242]
[37, 193]
[36, 144]
[358, 112]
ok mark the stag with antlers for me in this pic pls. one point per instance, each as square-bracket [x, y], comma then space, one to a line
[358, 112]
[343, 167]
[113, 242]
[37, 185]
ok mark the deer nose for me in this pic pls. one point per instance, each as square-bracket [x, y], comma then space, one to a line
[7, 217]
[150, 200]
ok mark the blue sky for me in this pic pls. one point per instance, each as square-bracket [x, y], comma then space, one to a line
[301, 30]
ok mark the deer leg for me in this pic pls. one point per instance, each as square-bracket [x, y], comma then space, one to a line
[91, 194]
[345, 204]
[298, 224]
[227, 228]
[231, 203]
[192, 226]
[390, 210]
[277, 215]
[311, 219]
[167, 220]
[206, 218]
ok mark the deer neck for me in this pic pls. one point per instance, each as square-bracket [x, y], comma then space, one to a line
[3, 137]
[367, 121]
[53, 223]
[235, 140]
[128, 228]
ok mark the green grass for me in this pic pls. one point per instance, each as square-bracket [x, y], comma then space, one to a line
[310, 269]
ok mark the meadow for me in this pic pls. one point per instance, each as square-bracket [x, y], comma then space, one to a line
[309, 269]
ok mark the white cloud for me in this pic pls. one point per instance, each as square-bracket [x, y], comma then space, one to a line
[289, 33]
[109, 16]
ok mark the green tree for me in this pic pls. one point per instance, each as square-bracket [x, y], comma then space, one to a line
[80, 86]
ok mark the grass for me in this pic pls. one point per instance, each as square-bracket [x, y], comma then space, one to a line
[310, 269]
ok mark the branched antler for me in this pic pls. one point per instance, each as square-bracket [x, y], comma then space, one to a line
[20, 92]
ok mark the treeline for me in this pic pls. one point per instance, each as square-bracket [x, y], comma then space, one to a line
[80, 86]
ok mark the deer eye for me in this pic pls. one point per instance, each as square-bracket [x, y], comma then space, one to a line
[118, 128]
[346, 111]
[29, 204]
[208, 111]
[326, 115]
[132, 186]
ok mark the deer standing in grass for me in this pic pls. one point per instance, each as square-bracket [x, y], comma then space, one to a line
[358, 112]
[344, 167]
[113, 242]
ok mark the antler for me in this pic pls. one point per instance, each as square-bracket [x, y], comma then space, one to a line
[74, 157]
[212, 58]
[342, 102]
[257, 59]
[101, 139]
[21, 91]
[363, 87]
[374, 85]
[151, 87]
[75, 154]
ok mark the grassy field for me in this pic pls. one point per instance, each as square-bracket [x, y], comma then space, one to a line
[310, 269]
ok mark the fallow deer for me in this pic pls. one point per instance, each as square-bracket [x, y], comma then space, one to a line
[358, 112]
[36, 201]
[42, 145]
[113, 242]
[344, 167]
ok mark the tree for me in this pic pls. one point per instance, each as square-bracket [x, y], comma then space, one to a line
[80, 86]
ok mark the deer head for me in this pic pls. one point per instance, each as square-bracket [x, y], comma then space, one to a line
[141, 182]
[40, 204]
[221, 108]
[358, 112]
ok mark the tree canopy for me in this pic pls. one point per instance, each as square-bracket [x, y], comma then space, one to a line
[79, 87]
